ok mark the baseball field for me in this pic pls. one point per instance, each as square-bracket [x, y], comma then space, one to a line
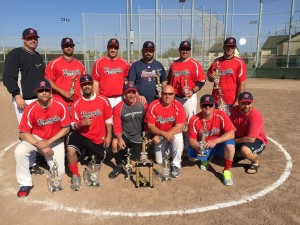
[197, 197]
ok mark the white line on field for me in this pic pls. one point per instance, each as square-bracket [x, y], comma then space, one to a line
[98, 212]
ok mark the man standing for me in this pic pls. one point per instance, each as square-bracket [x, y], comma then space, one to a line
[187, 77]
[64, 72]
[232, 75]
[109, 74]
[91, 117]
[165, 119]
[22, 67]
[128, 119]
[250, 137]
[148, 74]
[214, 128]
[42, 128]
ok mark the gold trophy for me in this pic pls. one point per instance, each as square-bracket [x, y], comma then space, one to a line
[201, 150]
[158, 84]
[128, 166]
[186, 88]
[166, 168]
[53, 179]
[91, 173]
[217, 76]
[72, 88]
[144, 154]
[141, 181]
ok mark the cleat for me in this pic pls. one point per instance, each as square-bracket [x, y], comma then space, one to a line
[204, 165]
[36, 170]
[24, 191]
[113, 174]
[175, 171]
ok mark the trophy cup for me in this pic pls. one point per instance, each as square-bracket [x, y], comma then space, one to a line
[144, 154]
[128, 166]
[91, 173]
[158, 84]
[201, 150]
[186, 88]
[53, 179]
[166, 168]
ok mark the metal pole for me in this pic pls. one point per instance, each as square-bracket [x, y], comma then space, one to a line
[120, 35]
[226, 17]
[192, 26]
[139, 30]
[84, 43]
[4, 55]
[203, 35]
[231, 29]
[181, 10]
[290, 35]
[131, 33]
[127, 31]
[258, 33]
[155, 40]
[209, 28]
[160, 33]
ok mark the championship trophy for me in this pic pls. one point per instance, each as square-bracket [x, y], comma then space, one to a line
[91, 173]
[201, 150]
[144, 154]
[128, 166]
[186, 88]
[72, 88]
[217, 76]
[53, 179]
[158, 84]
[166, 168]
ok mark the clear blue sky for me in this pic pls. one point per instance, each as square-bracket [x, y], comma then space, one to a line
[45, 15]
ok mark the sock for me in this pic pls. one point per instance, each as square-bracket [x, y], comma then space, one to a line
[74, 169]
[227, 164]
[118, 158]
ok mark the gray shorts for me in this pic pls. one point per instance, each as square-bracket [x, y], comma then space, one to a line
[256, 147]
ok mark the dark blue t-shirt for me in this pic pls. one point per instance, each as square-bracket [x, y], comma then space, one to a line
[144, 76]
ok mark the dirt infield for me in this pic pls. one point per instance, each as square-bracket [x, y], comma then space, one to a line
[196, 197]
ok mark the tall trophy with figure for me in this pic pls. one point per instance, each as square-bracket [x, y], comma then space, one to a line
[91, 173]
[158, 83]
[144, 154]
[186, 88]
[128, 166]
[53, 179]
[201, 150]
[166, 167]
[72, 88]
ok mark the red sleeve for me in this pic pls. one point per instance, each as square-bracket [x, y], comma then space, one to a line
[65, 121]
[49, 74]
[227, 125]
[117, 118]
[95, 69]
[150, 118]
[192, 132]
[181, 117]
[126, 69]
[201, 77]
[24, 126]
[211, 69]
[243, 71]
[255, 125]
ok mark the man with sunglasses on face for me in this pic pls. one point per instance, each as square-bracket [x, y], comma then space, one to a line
[148, 74]
[109, 73]
[232, 71]
[212, 131]
[42, 128]
[165, 119]
[250, 137]
[64, 72]
[22, 67]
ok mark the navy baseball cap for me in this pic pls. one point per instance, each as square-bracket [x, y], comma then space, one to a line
[30, 32]
[148, 45]
[130, 86]
[185, 44]
[86, 78]
[230, 41]
[67, 41]
[207, 99]
[113, 42]
[245, 97]
[42, 85]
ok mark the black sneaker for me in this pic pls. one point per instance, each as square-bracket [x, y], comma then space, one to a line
[113, 174]
[35, 169]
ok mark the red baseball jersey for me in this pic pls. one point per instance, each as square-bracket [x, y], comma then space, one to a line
[232, 72]
[165, 118]
[219, 124]
[63, 72]
[250, 125]
[99, 109]
[190, 70]
[42, 122]
[110, 73]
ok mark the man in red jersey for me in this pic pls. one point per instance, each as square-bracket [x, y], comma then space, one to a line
[109, 73]
[165, 119]
[91, 117]
[44, 124]
[250, 137]
[212, 131]
[187, 77]
[232, 71]
[64, 72]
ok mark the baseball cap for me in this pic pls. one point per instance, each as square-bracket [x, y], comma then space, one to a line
[113, 42]
[67, 41]
[129, 86]
[185, 44]
[30, 32]
[230, 41]
[207, 99]
[41, 85]
[245, 97]
[86, 78]
[148, 45]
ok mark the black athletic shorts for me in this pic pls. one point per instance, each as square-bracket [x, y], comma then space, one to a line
[136, 149]
[256, 147]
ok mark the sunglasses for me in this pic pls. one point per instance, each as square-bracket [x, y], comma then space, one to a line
[246, 103]
[43, 90]
[68, 46]
[207, 105]
[165, 93]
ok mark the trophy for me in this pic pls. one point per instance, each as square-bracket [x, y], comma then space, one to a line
[186, 88]
[144, 154]
[91, 173]
[128, 166]
[72, 88]
[166, 168]
[201, 150]
[141, 181]
[53, 179]
[217, 76]
[158, 84]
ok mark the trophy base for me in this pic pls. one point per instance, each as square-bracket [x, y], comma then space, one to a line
[94, 185]
[141, 181]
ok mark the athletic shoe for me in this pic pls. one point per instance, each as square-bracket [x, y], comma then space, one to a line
[116, 171]
[24, 191]
[204, 165]
[175, 171]
[35, 169]
[75, 183]
[227, 178]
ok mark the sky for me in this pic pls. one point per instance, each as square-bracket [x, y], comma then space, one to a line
[45, 16]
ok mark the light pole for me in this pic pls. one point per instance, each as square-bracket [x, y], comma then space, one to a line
[65, 20]
[253, 22]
